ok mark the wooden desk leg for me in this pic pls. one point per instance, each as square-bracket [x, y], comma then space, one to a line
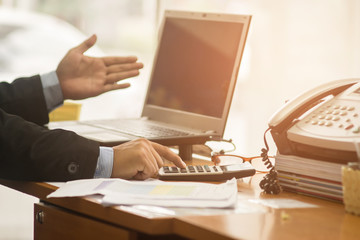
[185, 152]
[54, 223]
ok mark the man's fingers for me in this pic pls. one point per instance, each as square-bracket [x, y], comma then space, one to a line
[88, 43]
[149, 170]
[157, 157]
[119, 60]
[141, 159]
[115, 86]
[115, 77]
[124, 67]
[168, 154]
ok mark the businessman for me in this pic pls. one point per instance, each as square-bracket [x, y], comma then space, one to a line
[29, 151]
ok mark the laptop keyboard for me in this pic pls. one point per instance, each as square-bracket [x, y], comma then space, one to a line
[140, 128]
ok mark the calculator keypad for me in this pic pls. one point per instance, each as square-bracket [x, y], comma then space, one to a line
[193, 170]
[206, 172]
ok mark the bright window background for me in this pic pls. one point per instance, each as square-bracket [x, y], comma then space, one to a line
[292, 46]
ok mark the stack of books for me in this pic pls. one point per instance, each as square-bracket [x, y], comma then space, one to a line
[311, 177]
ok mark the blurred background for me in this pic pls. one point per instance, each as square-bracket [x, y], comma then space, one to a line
[292, 46]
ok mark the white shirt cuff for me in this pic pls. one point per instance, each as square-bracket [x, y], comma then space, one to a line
[52, 90]
[105, 163]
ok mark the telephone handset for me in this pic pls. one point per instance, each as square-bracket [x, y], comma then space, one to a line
[322, 123]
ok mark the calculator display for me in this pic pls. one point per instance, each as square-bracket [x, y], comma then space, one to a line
[237, 167]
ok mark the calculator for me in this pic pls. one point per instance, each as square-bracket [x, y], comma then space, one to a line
[206, 173]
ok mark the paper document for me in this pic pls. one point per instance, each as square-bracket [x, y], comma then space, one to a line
[154, 192]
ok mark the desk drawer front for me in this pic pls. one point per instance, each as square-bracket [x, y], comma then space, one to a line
[54, 223]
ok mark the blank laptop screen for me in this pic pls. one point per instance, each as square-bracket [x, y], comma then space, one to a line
[194, 65]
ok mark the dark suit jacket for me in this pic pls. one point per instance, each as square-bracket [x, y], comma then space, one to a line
[29, 151]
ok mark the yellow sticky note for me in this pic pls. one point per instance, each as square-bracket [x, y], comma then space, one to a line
[68, 112]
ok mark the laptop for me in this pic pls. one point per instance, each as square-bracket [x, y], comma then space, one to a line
[191, 85]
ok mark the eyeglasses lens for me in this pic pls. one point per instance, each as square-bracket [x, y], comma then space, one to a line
[257, 162]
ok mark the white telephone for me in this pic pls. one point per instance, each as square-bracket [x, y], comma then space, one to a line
[323, 123]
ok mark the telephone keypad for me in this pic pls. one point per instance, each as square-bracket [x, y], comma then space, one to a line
[357, 130]
[333, 118]
[328, 117]
[328, 124]
[350, 126]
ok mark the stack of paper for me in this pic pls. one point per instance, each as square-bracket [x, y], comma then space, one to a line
[309, 176]
[154, 192]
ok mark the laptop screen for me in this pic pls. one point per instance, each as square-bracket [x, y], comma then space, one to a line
[195, 69]
[194, 65]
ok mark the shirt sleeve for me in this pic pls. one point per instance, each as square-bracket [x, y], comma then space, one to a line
[105, 163]
[52, 90]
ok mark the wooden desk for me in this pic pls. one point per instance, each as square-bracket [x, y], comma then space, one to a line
[85, 218]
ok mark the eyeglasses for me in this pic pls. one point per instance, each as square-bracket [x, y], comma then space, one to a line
[256, 162]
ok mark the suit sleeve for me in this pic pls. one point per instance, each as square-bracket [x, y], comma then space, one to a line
[29, 151]
[24, 97]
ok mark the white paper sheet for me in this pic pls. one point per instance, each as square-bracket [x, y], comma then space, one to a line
[156, 193]
[283, 203]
